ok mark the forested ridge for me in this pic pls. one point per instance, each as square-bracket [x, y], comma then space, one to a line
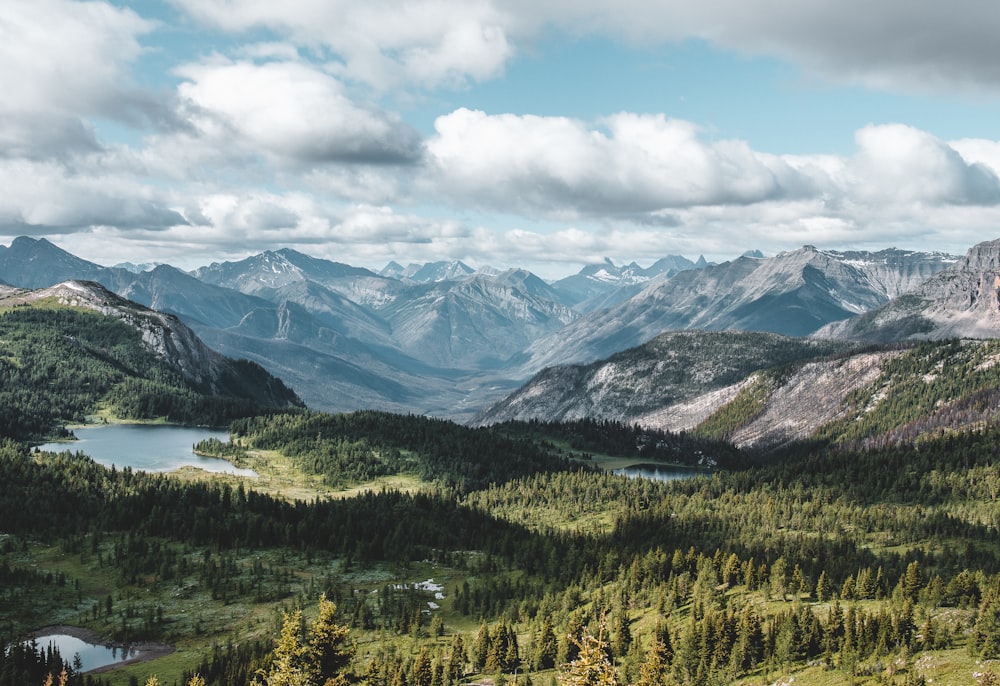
[868, 557]
[59, 364]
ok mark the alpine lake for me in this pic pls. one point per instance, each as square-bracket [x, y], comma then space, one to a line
[147, 447]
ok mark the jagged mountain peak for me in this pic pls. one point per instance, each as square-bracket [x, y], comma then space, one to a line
[961, 301]
[983, 256]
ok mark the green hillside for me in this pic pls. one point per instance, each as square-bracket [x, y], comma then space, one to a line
[60, 365]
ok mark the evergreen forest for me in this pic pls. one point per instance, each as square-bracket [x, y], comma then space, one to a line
[390, 550]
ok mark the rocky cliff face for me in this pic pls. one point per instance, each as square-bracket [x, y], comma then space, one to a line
[667, 371]
[962, 301]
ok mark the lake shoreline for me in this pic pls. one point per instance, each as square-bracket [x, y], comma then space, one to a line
[144, 650]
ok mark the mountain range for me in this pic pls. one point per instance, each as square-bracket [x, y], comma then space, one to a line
[445, 340]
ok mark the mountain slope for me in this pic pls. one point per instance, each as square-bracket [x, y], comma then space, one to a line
[70, 348]
[668, 369]
[961, 301]
[478, 322]
[793, 293]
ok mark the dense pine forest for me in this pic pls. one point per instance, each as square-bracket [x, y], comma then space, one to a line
[416, 551]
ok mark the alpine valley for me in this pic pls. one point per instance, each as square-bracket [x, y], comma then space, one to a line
[444, 340]
[432, 492]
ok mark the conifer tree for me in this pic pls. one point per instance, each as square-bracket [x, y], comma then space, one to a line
[592, 667]
[546, 646]
[822, 587]
[328, 653]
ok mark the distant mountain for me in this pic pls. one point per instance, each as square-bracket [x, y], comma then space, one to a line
[269, 273]
[348, 338]
[429, 272]
[606, 284]
[793, 293]
[138, 268]
[668, 369]
[478, 322]
[31, 263]
[962, 301]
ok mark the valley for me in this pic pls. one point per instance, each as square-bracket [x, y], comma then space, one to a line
[836, 524]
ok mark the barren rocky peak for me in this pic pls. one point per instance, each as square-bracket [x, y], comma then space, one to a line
[984, 256]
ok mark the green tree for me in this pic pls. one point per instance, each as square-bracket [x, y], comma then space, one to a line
[328, 653]
[655, 671]
[546, 646]
[288, 665]
[779, 578]
[822, 587]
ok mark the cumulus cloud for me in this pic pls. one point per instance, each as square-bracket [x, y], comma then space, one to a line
[44, 197]
[632, 164]
[291, 111]
[644, 166]
[381, 42]
[61, 62]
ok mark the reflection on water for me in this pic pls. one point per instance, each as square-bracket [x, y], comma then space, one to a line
[150, 448]
[658, 473]
[84, 656]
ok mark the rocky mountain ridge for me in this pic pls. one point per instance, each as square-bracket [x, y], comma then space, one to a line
[793, 294]
[348, 338]
[962, 301]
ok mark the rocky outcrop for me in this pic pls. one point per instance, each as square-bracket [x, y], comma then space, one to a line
[962, 301]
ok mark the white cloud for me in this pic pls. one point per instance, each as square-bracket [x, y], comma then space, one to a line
[61, 62]
[898, 163]
[634, 164]
[291, 111]
[381, 42]
[46, 197]
[916, 46]
[919, 45]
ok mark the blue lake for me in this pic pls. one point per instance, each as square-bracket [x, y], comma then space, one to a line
[88, 656]
[150, 448]
[658, 472]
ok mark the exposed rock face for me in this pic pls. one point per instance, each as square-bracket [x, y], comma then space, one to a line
[962, 301]
[812, 397]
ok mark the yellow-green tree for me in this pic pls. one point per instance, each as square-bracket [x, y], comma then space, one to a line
[592, 666]
[322, 661]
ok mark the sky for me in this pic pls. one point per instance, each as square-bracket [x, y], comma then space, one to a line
[502, 133]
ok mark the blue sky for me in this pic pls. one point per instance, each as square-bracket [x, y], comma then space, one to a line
[545, 135]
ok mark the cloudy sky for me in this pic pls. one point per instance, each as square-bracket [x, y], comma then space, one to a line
[499, 132]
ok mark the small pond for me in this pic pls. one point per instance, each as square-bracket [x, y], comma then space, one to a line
[656, 472]
[84, 656]
[147, 447]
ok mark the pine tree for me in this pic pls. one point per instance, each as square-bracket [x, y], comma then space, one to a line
[655, 671]
[822, 587]
[546, 646]
[288, 666]
[327, 652]
[591, 666]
